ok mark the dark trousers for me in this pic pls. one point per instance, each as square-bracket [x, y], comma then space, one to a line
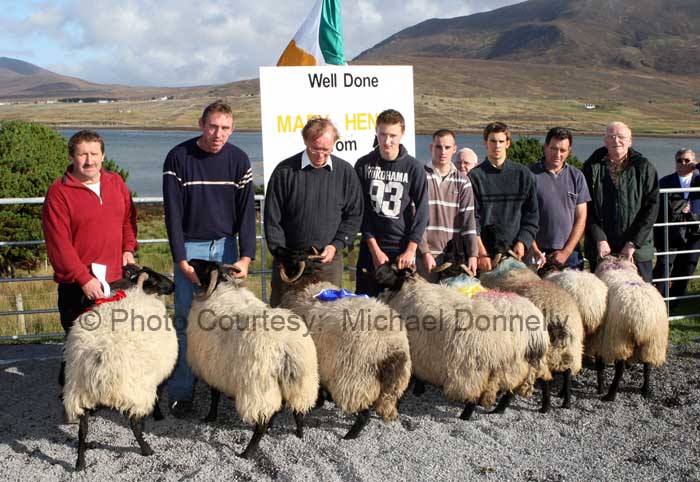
[331, 272]
[644, 268]
[71, 304]
[678, 265]
[365, 283]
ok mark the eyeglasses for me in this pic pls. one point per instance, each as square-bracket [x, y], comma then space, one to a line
[615, 137]
[321, 152]
[684, 160]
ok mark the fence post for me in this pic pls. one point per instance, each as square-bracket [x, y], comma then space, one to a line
[19, 305]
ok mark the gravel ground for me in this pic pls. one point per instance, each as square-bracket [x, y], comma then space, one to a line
[630, 439]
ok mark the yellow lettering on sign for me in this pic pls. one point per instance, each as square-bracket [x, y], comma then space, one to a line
[360, 121]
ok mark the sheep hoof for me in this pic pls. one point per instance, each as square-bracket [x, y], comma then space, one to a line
[648, 393]
[566, 404]
[243, 455]
[209, 419]
[544, 410]
[80, 465]
[610, 397]
[146, 451]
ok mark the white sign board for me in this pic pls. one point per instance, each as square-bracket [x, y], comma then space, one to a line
[351, 96]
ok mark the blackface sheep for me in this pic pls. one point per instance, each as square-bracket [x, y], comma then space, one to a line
[636, 325]
[591, 296]
[261, 357]
[563, 319]
[116, 355]
[464, 345]
[363, 352]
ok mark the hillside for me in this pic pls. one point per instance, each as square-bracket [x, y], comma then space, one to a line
[647, 35]
[21, 80]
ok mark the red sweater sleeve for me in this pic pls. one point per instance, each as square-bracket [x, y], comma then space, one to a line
[129, 229]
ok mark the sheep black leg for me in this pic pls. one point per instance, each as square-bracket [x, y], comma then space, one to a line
[361, 420]
[258, 432]
[503, 403]
[468, 410]
[418, 387]
[214, 406]
[137, 428]
[320, 398]
[646, 385]
[157, 413]
[600, 373]
[566, 389]
[546, 398]
[299, 419]
[82, 446]
[619, 370]
[272, 418]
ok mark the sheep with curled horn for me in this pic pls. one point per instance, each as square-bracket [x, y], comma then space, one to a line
[636, 322]
[591, 296]
[231, 347]
[113, 362]
[472, 365]
[360, 365]
[562, 316]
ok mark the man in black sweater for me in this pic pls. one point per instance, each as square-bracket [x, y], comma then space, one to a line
[505, 195]
[313, 199]
[391, 180]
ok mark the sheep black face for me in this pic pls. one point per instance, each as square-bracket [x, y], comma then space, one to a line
[495, 243]
[211, 273]
[388, 276]
[156, 283]
[454, 258]
[296, 262]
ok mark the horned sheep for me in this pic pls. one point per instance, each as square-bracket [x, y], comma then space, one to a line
[117, 354]
[257, 355]
[636, 327]
[470, 362]
[363, 351]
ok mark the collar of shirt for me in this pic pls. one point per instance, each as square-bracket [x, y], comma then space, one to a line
[440, 177]
[306, 162]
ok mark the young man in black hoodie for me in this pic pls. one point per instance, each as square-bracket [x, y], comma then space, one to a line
[391, 180]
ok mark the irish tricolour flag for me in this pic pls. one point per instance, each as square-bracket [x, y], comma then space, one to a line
[319, 40]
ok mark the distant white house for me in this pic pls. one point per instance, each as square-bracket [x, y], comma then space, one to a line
[590, 106]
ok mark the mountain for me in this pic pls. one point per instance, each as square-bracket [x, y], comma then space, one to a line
[647, 35]
[21, 80]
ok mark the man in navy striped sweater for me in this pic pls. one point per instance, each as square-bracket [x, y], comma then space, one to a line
[209, 201]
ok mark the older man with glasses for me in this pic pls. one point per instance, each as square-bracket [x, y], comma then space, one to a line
[680, 207]
[313, 199]
[624, 189]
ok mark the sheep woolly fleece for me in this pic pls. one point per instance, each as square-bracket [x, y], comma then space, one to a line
[636, 327]
[255, 363]
[563, 318]
[362, 367]
[472, 365]
[115, 365]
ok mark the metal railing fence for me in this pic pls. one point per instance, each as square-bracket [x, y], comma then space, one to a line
[263, 272]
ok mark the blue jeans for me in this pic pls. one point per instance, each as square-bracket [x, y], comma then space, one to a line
[224, 250]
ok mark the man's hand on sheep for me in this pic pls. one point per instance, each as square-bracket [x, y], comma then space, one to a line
[379, 257]
[408, 257]
[560, 256]
[429, 262]
[603, 248]
[472, 264]
[188, 271]
[328, 254]
[93, 289]
[628, 250]
[484, 263]
[128, 258]
[242, 264]
[519, 249]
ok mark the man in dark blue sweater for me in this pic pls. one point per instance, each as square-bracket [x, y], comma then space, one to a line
[505, 195]
[313, 199]
[391, 180]
[209, 199]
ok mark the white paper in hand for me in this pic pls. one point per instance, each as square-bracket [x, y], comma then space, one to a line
[100, 272]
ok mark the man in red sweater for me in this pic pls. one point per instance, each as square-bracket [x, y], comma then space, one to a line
[88, 218]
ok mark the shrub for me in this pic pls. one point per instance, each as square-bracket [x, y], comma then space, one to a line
[32, 156]
[528, 150]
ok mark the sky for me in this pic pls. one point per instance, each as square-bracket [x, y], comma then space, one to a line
[183, 42]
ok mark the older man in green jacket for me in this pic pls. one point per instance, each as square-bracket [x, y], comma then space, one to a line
[624, 190]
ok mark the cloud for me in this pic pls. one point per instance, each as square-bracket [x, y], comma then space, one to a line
[180, 42]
